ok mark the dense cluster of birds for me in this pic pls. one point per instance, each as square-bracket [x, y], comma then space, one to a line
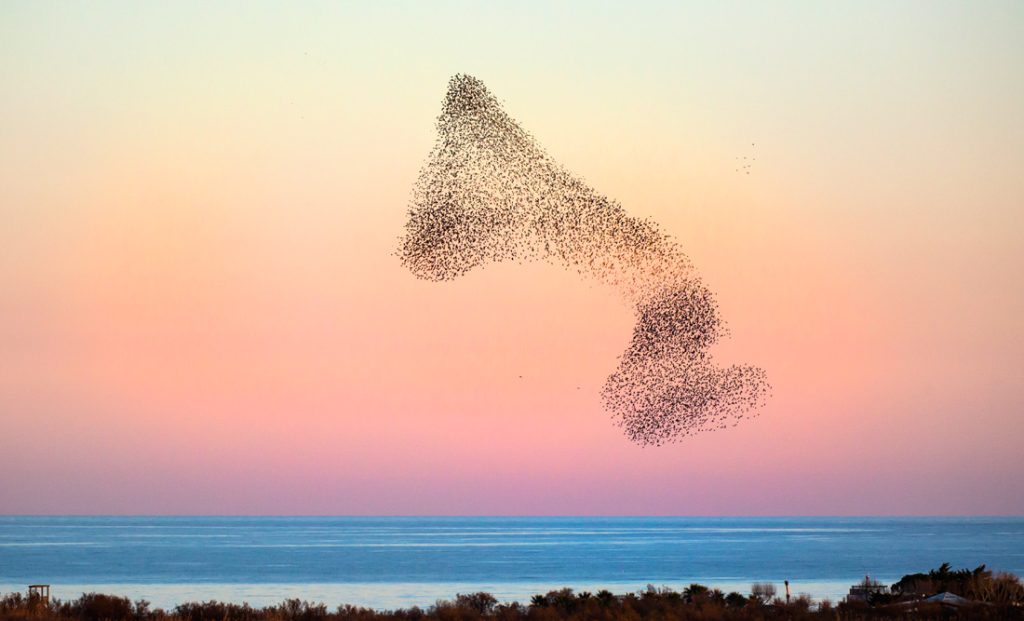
[489, 193]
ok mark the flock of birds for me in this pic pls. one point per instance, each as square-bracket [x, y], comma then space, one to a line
[745, 164]
[489, 193]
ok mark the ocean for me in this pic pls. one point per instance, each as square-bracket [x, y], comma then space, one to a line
[390, 562]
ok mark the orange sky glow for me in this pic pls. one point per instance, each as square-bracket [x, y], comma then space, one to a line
[201, 310]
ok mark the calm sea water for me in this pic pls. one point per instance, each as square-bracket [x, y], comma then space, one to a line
[392, 562]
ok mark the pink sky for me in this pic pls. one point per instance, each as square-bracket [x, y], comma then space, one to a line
[201, 312]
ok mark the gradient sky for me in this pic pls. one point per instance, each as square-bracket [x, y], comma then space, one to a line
[201, 311]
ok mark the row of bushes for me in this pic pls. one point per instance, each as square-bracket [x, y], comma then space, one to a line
[979, 584]
[696, 603]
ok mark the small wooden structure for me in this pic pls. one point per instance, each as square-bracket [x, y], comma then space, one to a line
[39, 592]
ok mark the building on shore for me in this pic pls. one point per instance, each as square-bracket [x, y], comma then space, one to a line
[867, 588]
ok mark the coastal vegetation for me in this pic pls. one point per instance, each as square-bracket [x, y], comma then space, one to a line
[969, 594]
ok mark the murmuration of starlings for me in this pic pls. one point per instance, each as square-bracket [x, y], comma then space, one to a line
[488, 192]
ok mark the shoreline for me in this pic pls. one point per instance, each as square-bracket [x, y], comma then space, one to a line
[393, 595]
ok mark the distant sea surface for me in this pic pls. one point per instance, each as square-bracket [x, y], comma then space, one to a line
[400, 562]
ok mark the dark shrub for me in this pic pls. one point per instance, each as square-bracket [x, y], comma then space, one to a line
[735, 600]
[215, 611]
[482, 603]
[100, 607]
